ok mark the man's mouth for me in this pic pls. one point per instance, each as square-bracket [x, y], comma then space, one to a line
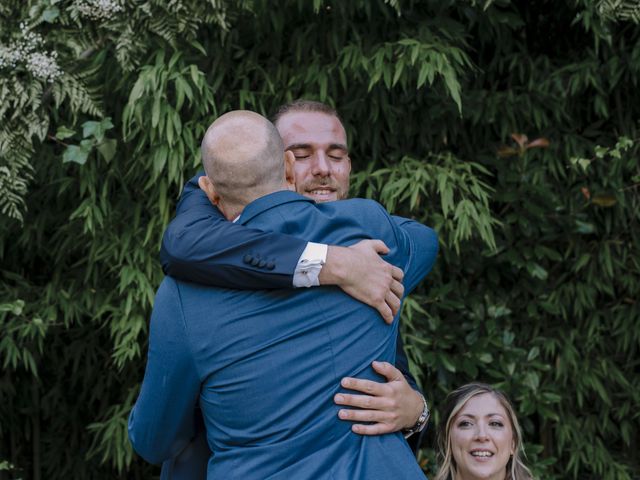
[322, 191]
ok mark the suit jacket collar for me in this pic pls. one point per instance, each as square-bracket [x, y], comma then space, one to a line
[271, 200]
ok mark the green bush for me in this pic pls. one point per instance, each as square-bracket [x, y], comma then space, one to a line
[536, 287]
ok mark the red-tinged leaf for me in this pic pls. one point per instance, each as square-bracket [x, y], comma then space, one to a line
[538, 143]
[505, 151]
[520, 138]
[604, 200]
[585, 191]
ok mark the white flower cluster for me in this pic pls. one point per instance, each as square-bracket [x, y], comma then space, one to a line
[41, 64]
[99, 9]
[44, 66]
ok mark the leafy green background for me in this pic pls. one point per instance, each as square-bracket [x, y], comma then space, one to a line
[536, 287]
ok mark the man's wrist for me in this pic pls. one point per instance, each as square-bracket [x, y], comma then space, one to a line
[334, 270]
[422, 421]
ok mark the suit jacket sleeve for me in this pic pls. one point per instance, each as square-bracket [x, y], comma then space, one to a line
[201, 246]
[423, 250]
[422, 244]
[162, 421]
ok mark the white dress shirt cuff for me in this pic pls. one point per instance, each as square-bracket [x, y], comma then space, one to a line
[309, 265]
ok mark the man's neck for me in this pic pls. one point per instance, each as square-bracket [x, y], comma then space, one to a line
[232, 212]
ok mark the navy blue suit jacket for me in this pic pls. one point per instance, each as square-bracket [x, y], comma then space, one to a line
[265, 376]
[202, 246]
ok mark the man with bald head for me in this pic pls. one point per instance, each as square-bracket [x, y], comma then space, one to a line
[266, 375]
[238, 172]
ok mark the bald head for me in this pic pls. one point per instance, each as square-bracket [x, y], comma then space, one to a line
[243, 156]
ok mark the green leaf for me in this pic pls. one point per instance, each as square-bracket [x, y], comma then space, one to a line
[15, 308]
[485, 357]
[198, 46]
[537, 271]
[64, 132]
[446, 363]
[582, 261]
[50, 14]
[107, 149]
[76, 154]
[601, 151]
[96, 129]
[92, 128]
[584, 227]
[532, 380]
[155, 112]
[508, 337]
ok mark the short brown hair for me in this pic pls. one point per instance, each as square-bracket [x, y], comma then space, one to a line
[302, 105]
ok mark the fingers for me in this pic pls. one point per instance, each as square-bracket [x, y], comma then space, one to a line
[367, 402]
[364, 386]
[397, 288]
[397, 274]
[393, 302]
[387, 370]
[375, 429]
[386, 312]
[373, 416]
[382, 422]
[383, 405]
[363, 415]
[379, 246]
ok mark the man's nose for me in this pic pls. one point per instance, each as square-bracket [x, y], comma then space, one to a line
[321, 165]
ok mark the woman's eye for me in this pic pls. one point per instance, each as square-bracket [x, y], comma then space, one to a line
[496, 423]
[464, 423]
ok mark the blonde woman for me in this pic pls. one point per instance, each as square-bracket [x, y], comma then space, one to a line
[481, 437]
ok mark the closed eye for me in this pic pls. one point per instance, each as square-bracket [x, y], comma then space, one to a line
[337, 153]
[301, 153]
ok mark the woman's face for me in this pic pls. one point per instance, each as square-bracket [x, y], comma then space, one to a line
[482, 439]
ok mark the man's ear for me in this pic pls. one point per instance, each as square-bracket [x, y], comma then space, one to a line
[289, 170]
[207, 187]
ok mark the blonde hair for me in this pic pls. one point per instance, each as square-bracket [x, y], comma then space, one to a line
[456, 400]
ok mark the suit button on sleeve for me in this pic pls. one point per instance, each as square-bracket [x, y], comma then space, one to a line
[262, 264]
[255, 261]
[270, 266]
[247, 258]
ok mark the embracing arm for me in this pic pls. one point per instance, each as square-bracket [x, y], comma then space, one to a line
[162, 422]
[201, 246]
[423, 248]
[397, 403]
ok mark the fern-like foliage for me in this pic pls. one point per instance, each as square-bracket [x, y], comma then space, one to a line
[620, 10]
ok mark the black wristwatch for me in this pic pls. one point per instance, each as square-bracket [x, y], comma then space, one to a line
[423, 419]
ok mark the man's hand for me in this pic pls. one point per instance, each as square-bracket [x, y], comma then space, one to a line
[391, 406]
[362, 274]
